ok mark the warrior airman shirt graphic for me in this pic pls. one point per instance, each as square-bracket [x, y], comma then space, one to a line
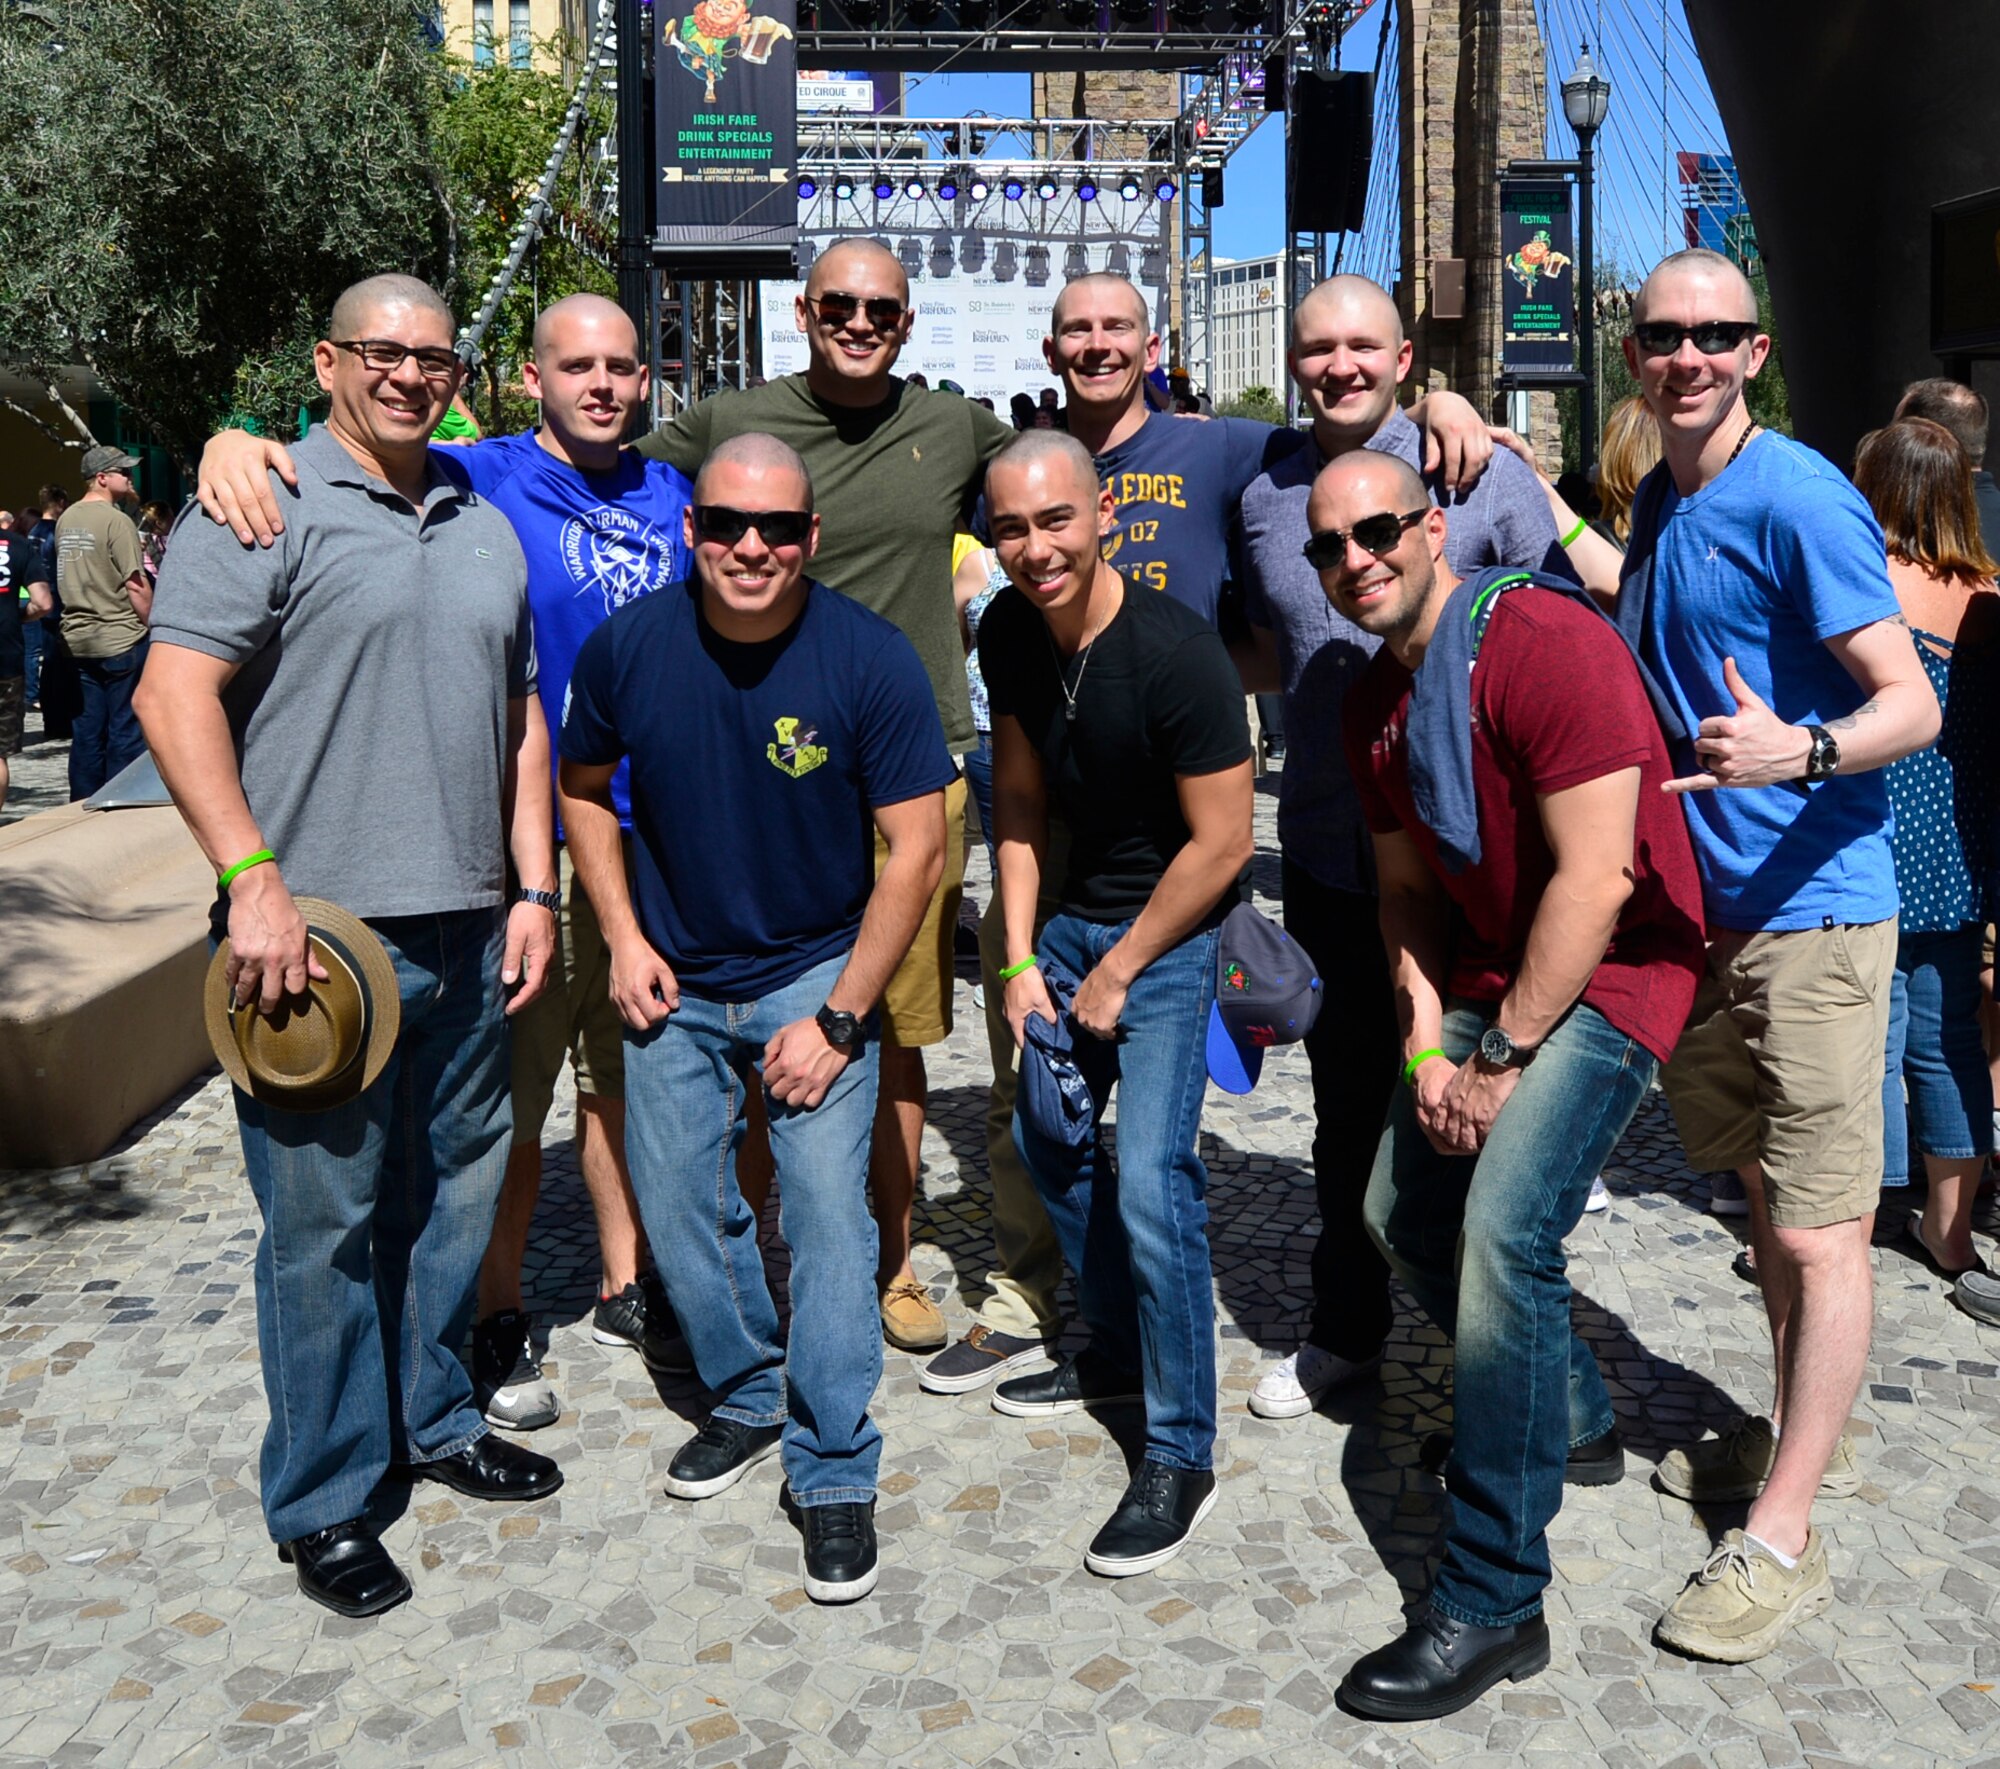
[755, 769]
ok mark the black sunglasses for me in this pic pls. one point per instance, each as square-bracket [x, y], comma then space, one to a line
[1375, 535]
[386, 356]
[884, 312]
[1712, 337]
[779, 528]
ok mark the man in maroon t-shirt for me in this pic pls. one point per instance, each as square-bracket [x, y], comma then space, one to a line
[1529, 1035]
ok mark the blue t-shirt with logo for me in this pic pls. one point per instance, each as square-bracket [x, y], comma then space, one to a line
[594, 542]
[1774, 556]
[754, 770]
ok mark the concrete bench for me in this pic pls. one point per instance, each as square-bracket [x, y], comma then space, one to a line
[103, 944]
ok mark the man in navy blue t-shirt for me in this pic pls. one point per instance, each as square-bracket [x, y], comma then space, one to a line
[772, 727]
[600, 527]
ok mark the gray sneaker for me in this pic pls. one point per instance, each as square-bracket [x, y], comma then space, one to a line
[507, 1379]
[1978, 1293]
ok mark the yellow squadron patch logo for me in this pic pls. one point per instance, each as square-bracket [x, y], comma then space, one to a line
[794, 753]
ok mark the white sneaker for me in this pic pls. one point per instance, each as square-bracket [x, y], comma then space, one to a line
[1292, 1387]
[1726, 1196]
[1599, 1199]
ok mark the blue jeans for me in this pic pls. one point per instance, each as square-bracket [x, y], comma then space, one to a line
[685, 1085]
[1479, 1243]
[1135, 1232]
[106, 735]
[31, 643]
[376, 1216]
[1934, 1045]
[979, 778]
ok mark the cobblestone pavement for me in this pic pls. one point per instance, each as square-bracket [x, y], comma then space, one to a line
[145, 1619]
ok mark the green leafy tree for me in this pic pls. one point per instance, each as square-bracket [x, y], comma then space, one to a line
[192, 182]
[1257, 402]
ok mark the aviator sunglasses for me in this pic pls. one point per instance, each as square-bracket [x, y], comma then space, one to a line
[780, 528]
[836, 308]
[1374, 535]
[1712, 337]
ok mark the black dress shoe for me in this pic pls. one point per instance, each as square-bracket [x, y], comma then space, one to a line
[841, 1562]
[1153, 1521]
[1440, 1666]
[1078, 1381]
[492, 1468]
[1600, 1462]
[346, 1569]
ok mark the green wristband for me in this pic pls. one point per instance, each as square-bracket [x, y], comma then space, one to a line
[1014, 970]
[263, 856]
[1569, 540]
[1416, 1062]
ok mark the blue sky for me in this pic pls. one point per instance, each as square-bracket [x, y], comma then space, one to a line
[1660, 102]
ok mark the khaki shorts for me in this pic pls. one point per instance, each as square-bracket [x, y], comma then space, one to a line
[916, 1007]
[573, 1017]
[1781, 1064]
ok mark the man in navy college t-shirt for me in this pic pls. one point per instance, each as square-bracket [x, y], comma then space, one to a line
[773, 726]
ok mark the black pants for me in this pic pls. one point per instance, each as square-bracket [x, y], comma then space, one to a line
[1353, 1050]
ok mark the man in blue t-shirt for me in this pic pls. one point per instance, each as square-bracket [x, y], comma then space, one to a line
[772, 725]
[1758, 594]
[601, 527]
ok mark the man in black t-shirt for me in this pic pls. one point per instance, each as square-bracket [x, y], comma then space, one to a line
[24, 597]
[1125, 712]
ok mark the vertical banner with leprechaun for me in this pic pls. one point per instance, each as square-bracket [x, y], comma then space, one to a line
[1537, 280]
[726, 110]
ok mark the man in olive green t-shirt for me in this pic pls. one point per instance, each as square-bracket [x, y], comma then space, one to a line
[107, 599]
[895, 469]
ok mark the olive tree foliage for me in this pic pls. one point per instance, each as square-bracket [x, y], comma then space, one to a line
[186, 185]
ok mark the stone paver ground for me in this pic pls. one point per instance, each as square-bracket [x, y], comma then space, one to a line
[145, 1619]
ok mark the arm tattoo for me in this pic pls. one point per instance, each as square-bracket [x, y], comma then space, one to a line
[1853, 719]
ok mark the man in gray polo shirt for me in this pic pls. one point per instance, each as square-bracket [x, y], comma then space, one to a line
[352, 714]
[1348, 356]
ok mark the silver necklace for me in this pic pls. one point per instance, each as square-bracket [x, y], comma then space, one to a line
[1069, 694]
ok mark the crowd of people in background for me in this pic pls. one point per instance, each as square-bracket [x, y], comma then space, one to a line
[1686, 773]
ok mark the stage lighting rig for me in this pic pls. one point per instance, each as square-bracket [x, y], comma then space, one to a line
[1133, 12]
[884, 190]
[974, 15]
[914, 188]
[1075, 263]
[1045, 188]
[808, 189]
[1086, 190]
[972, 252]
[1079, 15]
[922, 13]
[951, 184]
[1251, 13]
[1037, 259]
[1187, 15]
[977, 188]
[1013, 190]
[1005, 262]
[843, 187]
[1166, 190]
[865, 15]
[1128, 188]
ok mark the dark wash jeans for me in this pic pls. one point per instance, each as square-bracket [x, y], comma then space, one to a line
[1355, 1053]
[1479, 1242]
[106, 735]
[1135, 1231]
[376, 1216]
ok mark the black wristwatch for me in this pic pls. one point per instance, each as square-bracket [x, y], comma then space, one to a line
[1497, 1048]
[1823, 758]
[843, 1029]
[549, 900]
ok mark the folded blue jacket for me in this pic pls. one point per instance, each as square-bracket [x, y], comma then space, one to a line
[1065, 1072]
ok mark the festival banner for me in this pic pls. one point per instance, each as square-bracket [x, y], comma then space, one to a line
[1537, 278]
[726, 136]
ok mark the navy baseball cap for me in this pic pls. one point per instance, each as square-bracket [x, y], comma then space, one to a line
[1266, 993]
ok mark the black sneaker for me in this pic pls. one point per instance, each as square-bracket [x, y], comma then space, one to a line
[1600, 1462]
[507, 1379]
[1078, 1381]
[719, 1455]
[640, 1316]
[840, 1551]
[1153, 1521]
[977, 1359]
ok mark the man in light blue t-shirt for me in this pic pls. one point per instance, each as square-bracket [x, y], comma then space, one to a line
[1758, 594]
[601, 527]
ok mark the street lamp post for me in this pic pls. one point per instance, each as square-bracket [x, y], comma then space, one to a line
[1586, 96]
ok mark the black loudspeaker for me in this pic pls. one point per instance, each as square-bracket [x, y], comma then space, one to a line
[1211, 187]
[1326, 171]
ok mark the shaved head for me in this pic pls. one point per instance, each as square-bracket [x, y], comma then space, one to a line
[1032, 446]
[1387, 473]
[1103, 279]
[840, 256]
[1699, 261]
[359, 303]
[1352, 292]
[558, 317]
[765, 454]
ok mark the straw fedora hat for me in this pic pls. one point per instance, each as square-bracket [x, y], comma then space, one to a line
[320, 1050]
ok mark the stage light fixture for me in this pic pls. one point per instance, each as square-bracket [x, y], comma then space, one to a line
[1045, 188]
[1188, 15]
[1013, 190]
[1153, 265]
[1005, 262]
[1166, 190]
[922, 13]
[1251, 12]
[1119, 260]
[808, 189]
[1133, 12]
[1037, 274]
[1086, 190]
[843, 187]
[974, 15]
[1128, 188]
[914, 188]
[910, 256]
[943, 255]
[884, 190]
[950, 184]
[1075, 262]
[978, 189]
[972, 252]
[867, 13]
[1080, 14]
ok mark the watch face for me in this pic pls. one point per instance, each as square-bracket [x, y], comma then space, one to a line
[1495, 1046]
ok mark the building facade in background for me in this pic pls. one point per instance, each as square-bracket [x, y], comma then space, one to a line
[1250, 322]
[1713, 211]
[545, 34]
